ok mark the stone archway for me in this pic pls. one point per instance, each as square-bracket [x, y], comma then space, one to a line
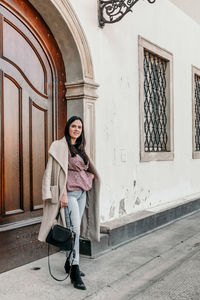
[80, 86]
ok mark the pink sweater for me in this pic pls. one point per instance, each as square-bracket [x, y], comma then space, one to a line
[78, 178]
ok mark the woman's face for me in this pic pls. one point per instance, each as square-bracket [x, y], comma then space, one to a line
[75, 129]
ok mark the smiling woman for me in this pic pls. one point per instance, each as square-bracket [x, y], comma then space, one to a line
[75, 130]
[68, 180]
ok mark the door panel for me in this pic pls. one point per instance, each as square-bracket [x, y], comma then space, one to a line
[38, 140]
[16, 47]
[11, 117]
[25, 132]
[22, 49]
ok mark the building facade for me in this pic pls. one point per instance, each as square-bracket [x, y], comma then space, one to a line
[136, 84]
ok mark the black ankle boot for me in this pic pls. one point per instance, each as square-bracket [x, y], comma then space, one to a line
[67, 268]
[76, 278]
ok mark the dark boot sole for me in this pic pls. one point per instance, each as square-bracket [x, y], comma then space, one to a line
[79, 287]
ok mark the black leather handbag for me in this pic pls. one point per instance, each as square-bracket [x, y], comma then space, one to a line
[60, 236]
[63, 238]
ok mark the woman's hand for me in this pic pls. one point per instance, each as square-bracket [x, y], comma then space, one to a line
[64, 199]
[91, 174]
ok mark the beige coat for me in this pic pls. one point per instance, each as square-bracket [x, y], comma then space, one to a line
[53, 185]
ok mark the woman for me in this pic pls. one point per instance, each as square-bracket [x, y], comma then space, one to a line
[71, 182]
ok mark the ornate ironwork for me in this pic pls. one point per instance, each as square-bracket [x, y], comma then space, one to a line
[197, 112]
[155, 103]
[111, 11]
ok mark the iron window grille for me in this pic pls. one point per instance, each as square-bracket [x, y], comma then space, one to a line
[155, 103]
[197, 111]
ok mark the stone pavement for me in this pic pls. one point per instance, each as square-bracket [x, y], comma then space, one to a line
[164, 264]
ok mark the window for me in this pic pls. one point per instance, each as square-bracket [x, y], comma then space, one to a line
[196, 112]
[156, 112]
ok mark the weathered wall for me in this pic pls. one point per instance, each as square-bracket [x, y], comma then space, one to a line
[127, 184]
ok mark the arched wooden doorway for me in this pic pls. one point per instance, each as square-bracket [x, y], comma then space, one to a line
[33, 113]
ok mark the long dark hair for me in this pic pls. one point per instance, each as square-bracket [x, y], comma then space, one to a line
[79, 147]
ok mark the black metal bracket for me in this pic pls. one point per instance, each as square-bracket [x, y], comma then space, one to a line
[112, 11]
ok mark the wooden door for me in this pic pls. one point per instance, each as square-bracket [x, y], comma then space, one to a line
[32, 81]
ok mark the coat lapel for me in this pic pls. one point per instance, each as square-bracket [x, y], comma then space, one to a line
[59, 151]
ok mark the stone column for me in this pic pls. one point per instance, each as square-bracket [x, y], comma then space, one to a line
[81, 96]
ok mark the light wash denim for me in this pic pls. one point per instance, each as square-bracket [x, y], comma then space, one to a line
[76, 206]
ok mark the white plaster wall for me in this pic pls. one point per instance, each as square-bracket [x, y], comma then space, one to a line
[192, 8]
[127, 184]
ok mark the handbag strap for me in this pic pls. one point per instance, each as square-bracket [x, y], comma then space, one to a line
[72, 251]
[69, 212]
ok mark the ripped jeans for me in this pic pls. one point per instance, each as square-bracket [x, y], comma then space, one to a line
[76, 205]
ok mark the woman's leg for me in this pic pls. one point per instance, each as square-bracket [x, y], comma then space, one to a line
[76, 206]
[81, 204]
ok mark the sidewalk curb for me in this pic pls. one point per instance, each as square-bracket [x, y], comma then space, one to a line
[119, 232]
